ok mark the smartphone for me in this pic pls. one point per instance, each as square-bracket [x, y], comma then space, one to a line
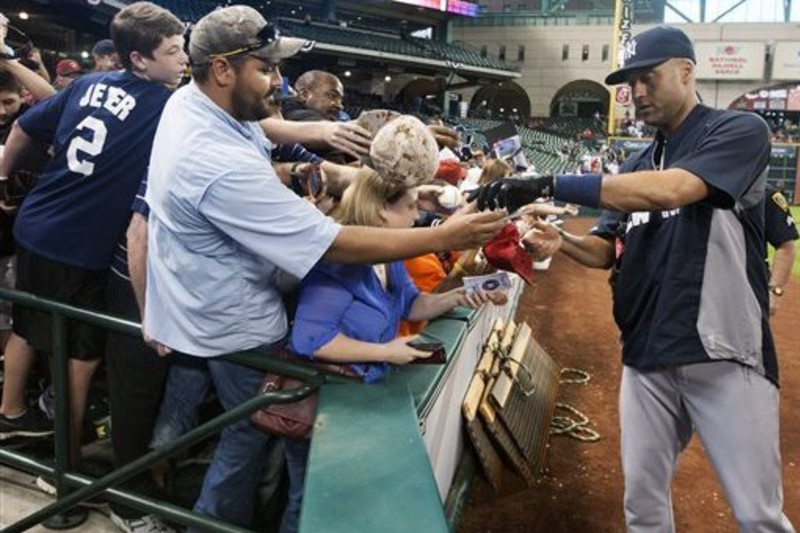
[437, 357]
[314, 181]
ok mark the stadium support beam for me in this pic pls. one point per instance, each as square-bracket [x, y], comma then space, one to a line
[702, 11]
[787, 10]
[679, 13]
[734, 6]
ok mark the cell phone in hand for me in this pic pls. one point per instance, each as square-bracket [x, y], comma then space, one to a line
[437, 356]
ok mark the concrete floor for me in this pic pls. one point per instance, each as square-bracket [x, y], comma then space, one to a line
[20, 497]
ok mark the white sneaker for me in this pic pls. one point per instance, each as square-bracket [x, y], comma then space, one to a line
[46, 485]
[146, 524]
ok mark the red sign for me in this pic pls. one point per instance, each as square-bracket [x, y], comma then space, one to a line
[624, 95]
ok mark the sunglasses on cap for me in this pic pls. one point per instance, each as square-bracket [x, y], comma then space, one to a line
[265, 37]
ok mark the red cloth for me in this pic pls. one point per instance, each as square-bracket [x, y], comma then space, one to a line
[450, 171]
[505, 252]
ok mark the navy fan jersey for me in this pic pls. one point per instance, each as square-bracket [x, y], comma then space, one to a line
[101, 128]
[691, 284]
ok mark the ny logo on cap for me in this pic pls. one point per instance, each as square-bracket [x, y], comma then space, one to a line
[630, 49]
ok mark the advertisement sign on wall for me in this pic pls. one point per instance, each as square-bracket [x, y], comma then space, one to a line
[786, 61]
[730, 60]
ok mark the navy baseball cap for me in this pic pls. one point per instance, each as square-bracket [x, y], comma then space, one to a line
[651, 48]
[104, 47]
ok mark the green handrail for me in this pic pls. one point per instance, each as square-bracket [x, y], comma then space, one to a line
[311, 377]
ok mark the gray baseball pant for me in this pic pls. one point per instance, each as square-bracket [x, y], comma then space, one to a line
[735, 412]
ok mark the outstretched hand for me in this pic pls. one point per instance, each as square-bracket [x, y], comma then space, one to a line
[513, 193]
[467, 232]
[542, 241]
[348, 137]
[445, 137]
[3, 33]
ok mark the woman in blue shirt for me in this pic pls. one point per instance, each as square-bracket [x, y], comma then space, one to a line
[351, 313]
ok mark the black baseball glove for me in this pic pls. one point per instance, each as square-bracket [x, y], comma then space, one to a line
[513, 193]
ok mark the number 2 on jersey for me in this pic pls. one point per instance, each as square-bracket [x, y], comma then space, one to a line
[79, 145]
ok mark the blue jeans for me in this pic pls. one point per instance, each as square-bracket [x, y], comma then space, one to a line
[296, 454]
[235, 470]
[187, 385]
[231, 480]
[188, 382]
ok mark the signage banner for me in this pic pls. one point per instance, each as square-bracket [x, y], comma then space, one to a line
[786, 61]
[730, 60]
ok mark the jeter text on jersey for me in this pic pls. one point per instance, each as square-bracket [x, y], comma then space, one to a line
[114, 99]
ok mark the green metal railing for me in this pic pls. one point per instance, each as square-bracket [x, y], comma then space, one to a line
[62, 514]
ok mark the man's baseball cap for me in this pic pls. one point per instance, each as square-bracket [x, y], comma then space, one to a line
[65, 67]
[238, 30]
[104, 47]
[651, 48]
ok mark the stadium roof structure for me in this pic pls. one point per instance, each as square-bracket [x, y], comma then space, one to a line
[376, 31]
[423, 54]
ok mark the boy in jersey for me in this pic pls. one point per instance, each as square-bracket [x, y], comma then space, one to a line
[690, 293]
[101, 130]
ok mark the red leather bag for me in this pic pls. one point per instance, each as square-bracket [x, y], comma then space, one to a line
[291, 420]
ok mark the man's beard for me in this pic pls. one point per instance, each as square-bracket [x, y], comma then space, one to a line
[273, 102]
[248, 111]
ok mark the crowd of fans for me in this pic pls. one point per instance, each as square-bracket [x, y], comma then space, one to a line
[294, 155]
[784, 130]
[233, 193]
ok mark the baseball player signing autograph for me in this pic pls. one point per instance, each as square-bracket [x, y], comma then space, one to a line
[691, 293]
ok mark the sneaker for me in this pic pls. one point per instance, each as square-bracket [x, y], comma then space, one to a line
[48, 486]
[145, 524]
[47, 403]
[31, 423]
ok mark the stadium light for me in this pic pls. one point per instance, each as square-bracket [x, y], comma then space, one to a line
[23, 15]
[85, 54]
[347, 73]
[387, 79]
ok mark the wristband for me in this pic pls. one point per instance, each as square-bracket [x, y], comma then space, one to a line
[579, 189]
